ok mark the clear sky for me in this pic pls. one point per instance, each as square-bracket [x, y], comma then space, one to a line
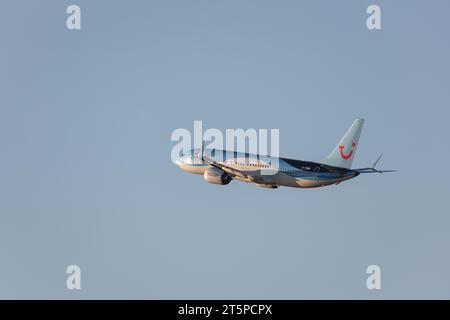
[85, 170]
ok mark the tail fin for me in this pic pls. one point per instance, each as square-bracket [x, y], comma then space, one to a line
[343, 154]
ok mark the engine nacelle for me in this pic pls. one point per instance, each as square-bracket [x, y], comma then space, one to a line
[216, 176]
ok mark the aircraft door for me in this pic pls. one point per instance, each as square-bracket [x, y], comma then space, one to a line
[316, 173]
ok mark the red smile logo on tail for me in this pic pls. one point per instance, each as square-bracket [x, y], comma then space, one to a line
[348, 155]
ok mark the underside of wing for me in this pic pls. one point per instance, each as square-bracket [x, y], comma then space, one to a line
[252, 176]
[372, 170]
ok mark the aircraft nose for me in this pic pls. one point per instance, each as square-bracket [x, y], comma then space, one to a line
[179, 162]
[182, 161]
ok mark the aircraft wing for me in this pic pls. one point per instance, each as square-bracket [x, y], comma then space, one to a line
[372, 168]
[250, 175]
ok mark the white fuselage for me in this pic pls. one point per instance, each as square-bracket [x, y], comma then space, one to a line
[268, 171]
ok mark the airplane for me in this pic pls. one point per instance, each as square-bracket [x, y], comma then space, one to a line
[221, 166]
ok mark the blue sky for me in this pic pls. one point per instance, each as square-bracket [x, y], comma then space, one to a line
[85, 124]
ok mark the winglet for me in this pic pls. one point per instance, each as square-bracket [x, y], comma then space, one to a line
[376, 161]
[372, 168]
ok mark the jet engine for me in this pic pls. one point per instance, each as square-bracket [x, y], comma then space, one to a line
[216, 176]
